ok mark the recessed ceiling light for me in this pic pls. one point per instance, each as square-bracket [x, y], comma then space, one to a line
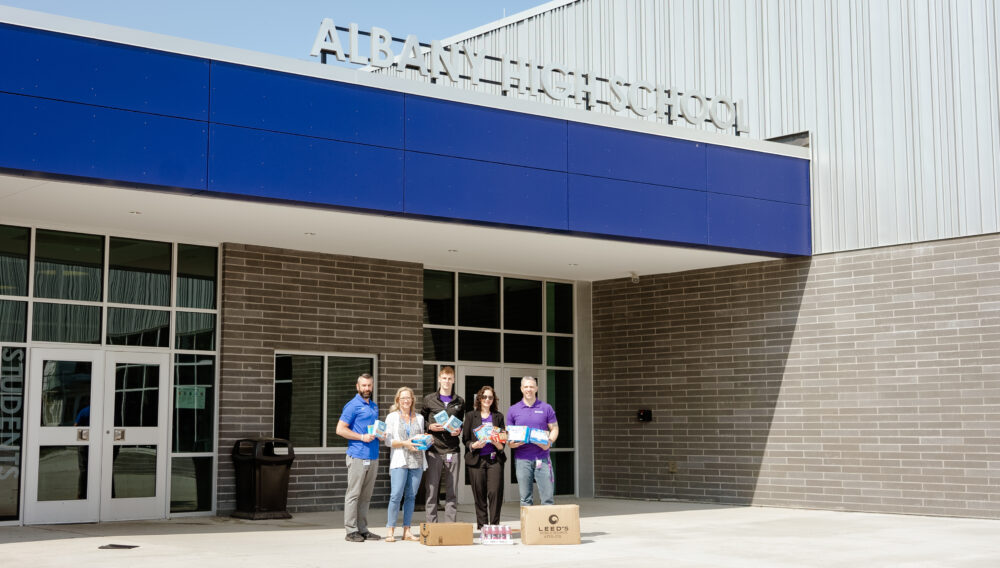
[452, 250]
[573, 264]
[135, 212]
[309, 234]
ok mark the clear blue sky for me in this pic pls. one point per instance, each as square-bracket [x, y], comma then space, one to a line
[282, 27]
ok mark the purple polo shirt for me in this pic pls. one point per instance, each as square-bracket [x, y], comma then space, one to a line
[539, 415]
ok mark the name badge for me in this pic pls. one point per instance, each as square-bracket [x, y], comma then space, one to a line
[449, 458]
[366, 463]
[493, 456]
[538, 464]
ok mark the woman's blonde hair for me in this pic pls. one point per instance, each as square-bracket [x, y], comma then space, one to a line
[395, 401]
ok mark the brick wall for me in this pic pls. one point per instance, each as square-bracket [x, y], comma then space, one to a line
[867, 381]
[275, 299]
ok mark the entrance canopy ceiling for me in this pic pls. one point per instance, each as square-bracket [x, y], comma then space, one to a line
[211, 220]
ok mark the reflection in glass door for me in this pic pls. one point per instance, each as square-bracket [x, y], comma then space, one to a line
[63, 448]
[133, 484]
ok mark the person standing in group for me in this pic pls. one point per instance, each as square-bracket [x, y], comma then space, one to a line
[406, 461]
[484, 462]
[362, 459]
[443, 456]
[531, 460]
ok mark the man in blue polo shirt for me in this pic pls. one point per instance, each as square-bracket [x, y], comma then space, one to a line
[531, 460]
[362, 459]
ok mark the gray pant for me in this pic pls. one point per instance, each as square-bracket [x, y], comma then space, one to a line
[360, 482]
[436, 463]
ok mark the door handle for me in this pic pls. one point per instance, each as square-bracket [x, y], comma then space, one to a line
[83, 434]
[119, 434]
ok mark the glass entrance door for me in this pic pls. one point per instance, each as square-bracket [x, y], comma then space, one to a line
[62, 461]
[134, 456]
[96, 441]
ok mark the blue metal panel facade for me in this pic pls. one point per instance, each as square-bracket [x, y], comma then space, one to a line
[121, 113]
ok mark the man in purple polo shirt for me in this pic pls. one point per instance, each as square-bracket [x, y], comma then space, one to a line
[362, 459]
[531, 460]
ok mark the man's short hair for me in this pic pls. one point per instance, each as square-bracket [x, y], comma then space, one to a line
[366, 376]
[447, 370]
[529, 378]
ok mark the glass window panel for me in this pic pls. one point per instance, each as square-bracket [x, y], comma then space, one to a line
[148, 328]
[13, 321]
[65, 393]
[560, 351]
[68, 266]
[190, 484]
[62, 473]
[342, 379]
[14, 243]
[195, 331]
[439, 344]
[194, 403]
[478, 301]
[66, 323]
[439, 297]
[139, 272]
[519, 348]
[12, 367]
[133, 472]
[478, 346]
[298, 399]
[559, 394]
[559, 307]
[137, 395]
[430, 379]
[522, 304]
[564, 470]
[196, 276]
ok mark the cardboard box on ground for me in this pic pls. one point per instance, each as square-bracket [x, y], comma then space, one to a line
[550, 524]
[446, 534]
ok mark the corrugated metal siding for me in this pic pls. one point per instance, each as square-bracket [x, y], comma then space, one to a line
[901, 96]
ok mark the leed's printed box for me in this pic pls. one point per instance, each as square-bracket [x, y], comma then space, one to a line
[422, 442]
[538, 436]
[517, 433]
[441, 417]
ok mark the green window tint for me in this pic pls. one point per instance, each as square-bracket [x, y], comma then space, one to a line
[196, 276]
[195, 331]
[147, 328]
[66, 323]
[439, 297]
[560, 351]
[559, 307]
[12, 377]
[478, 346]
[194, 403]
[14, 243]
[564, 470]
[439, 344]
[522, 304]
[559, 394]
[298, 399]
[138, 272]
[13, 321]
[341, 385]
[68, 266]
[190, 484]
[478, 301]
[518, 348]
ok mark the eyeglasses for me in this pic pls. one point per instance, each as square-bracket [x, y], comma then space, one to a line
[486, 397]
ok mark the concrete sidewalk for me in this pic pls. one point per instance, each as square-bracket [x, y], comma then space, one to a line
[614, 533]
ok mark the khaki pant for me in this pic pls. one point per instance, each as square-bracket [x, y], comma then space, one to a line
[360, 482]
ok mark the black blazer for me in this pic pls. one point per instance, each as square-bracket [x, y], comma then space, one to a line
[468, 438]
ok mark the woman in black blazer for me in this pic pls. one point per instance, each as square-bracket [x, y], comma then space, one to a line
[484, 462]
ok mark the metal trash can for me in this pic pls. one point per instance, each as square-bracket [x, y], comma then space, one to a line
[262, 466]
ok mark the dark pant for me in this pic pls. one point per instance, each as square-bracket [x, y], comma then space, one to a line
[438, 468]
[487, 490]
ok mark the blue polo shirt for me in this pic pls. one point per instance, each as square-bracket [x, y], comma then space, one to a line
[358, 415]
